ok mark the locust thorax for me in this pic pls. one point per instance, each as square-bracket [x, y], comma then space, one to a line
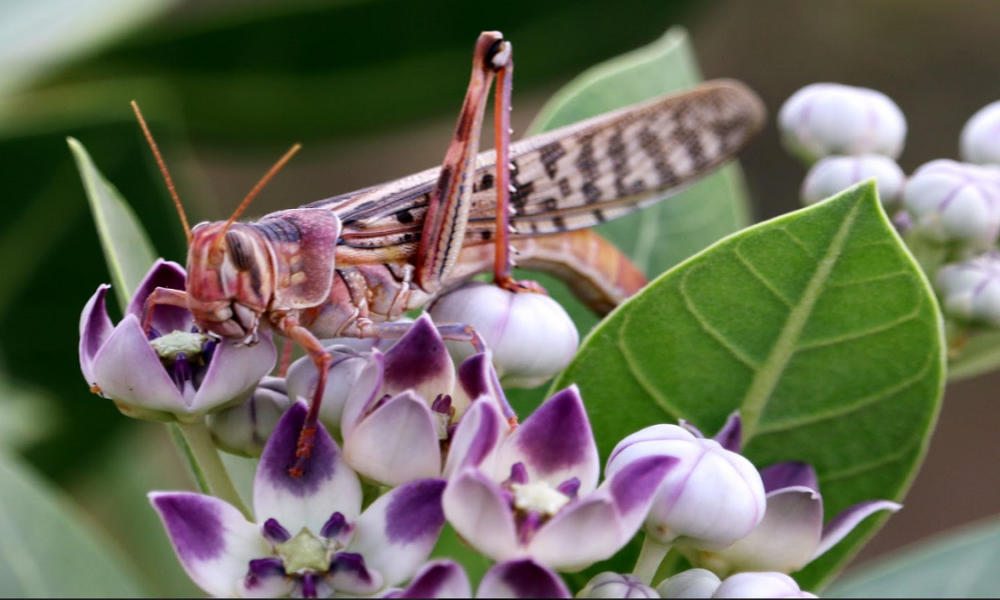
[230, 279]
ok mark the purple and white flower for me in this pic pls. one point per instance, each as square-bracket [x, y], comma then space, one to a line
[824, 119]
[539, 497]
[760, 585]
[530, 334]
[310, 537]
[173, 372]
[693, 583]
[835, 174]
[792, 534]
[970, 290]
[244, 429]
[980, 140]
[614, 585]
[522, 578]
[954, 202]
[713, 497]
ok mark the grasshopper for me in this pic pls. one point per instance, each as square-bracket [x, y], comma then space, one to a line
[350, 265]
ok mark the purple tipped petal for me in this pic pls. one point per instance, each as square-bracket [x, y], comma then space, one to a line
[212, 539]
[633, 488]
[555, 443]
[327, 485]
[128, 370]
[522, 578]
[275, 533]
[398, 531]
[363, 395]
[419, 361]
[234, 371]
[95, 327]
[352, 576]
[475, 440]
[440, 579]
[789, 474]
[166, 319]
[845, 522]
[477, 509]
[478, 377]
[784, 541]
[397, 443]
[730, 436]
[581, 534]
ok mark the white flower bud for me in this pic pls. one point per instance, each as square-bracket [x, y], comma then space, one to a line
[693, 583]
[760, 585]
[954, 202]
[970, 290]
[824, 119]
[244, 429]
[980, 141]
[709, 499]
[613, 585]
[835, 174]
[531, 336]
[344, 370]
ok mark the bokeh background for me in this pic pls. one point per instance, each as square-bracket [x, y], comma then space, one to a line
[372, 87]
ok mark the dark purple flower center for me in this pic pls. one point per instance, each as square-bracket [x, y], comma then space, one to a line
[534, 503]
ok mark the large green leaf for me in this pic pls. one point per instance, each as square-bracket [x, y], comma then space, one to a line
[959, 564]
[126, 247]
[818, 326]
[47, 549]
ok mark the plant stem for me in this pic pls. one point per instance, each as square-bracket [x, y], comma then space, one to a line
[650, 557]
[196, 445]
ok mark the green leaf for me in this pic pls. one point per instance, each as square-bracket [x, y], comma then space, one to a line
[818, 326]
[958, 564]
[126, 247]
[27, 413]
[979, 356]
[47, 547]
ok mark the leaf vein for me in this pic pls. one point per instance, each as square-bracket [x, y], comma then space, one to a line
[734, 350]
[874, 330]
[760, 277]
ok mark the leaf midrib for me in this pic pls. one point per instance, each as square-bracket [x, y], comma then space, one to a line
[767, 377]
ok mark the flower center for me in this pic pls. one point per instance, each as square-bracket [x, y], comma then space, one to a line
[304, 553]
[538, 497]
[168, 346]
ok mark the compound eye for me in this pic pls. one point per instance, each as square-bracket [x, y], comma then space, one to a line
[239, 250]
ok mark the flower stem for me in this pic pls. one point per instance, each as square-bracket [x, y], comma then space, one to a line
[650, 557]
[196, 446]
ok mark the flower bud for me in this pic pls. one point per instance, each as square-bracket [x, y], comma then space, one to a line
[613, 585]
[760, 585]
[970, 291]
[835, 174]
[824, 119]
[343, 374]
[710, 499]
[693, 583]
[245, 428]
[954, 202]
[530, 334]
[980, 141]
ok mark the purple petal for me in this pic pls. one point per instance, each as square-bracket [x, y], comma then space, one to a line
[398, 531]
[477, 509]
[166, 319]
[476, 438]
[478, 377]
[335, 526]
[730, 436]
[419, 361]
[128, 370]
[213, 541]
[789, 474]
[233, 371]
[522, 578]
[555, 443]
[397, 443]
[274, 533]
[634, 487]
[364, 394]
[569, 488]
[326, 486]
[785, 540]
[95, 327]
[351, 575]
[439, 579]
[846, 521]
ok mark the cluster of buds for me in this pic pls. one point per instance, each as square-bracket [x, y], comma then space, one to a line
[441, 445]
[949, 211]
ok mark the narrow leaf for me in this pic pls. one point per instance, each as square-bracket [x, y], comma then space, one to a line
[959, 564]
[818, 326]
[47, 549]
[126, 247]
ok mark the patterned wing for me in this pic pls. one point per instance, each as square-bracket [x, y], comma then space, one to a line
[577, 176]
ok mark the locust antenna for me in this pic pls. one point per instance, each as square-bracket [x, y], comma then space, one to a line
[163, 169]
[260, 185]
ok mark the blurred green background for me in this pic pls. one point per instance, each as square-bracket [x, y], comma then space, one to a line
[372, 87]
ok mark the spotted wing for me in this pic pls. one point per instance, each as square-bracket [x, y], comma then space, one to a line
[577, 176]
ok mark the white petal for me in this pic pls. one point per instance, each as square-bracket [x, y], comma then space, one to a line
[475, 507]
[476, 439]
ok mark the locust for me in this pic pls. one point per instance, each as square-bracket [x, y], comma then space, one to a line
[351, 265]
